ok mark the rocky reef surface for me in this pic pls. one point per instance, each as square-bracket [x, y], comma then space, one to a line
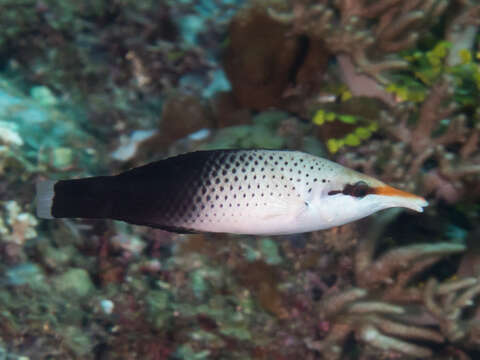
[390, 88]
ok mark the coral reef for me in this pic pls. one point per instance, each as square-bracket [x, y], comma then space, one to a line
[387, 87]
[371, 41]
[18, 226]
[390, 311]
[347, 124]
[116, 59]
[365, 31]
[416, 144]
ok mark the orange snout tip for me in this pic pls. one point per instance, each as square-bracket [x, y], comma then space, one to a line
[391, 191]
[418, 202]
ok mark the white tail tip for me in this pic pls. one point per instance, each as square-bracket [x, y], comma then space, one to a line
[44, 199]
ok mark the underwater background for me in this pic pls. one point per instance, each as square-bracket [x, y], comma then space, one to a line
[390, 88]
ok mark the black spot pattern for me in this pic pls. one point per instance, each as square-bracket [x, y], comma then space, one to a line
[200, 190]
[169, 193]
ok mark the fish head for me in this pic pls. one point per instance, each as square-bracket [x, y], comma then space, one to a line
[350, 195]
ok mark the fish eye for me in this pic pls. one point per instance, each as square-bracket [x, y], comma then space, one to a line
[359, 189]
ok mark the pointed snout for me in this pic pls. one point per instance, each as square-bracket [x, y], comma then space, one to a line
[401, 198]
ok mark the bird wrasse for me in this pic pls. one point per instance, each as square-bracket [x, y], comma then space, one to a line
[230, 191]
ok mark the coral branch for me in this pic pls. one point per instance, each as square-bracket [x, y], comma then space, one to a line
[336, 303]
[380, 316]
[383, 269]
[375, 307]
[367, 32]
[372, 336]
[408, 331]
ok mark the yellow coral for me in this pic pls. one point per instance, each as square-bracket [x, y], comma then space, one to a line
[333, 145]
[345, 95]
[347, 119]
[352, 140]
[363, 133]
[428, 74]
[465, 56]
[403, 93]
[319, 117]
[438, 53]
[322, 116]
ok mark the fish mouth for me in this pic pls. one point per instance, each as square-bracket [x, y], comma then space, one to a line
[399, 198]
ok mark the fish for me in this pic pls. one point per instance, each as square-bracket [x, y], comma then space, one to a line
[250, 192]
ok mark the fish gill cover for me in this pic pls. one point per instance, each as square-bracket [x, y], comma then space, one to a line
[389, 88]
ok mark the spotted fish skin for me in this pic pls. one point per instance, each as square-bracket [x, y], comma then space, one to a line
[236, 191]
[233, 191]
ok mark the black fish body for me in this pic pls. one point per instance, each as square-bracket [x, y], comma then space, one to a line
[235, 191]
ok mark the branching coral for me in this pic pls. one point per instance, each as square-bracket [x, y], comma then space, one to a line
[390, 311]
[367, 31]
[349, 123]
[446, 303]
[428, 136]
[436, 131]
[370, 322]
[368, 37]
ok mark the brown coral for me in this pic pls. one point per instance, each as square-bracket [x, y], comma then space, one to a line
[389, 311]
[415, 144]
[262, 61]
[367, 31]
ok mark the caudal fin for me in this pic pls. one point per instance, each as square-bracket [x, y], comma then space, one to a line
[91, 197]
[44, 200]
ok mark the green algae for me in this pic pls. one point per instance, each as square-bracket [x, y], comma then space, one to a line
[74, 282]
[262, 134]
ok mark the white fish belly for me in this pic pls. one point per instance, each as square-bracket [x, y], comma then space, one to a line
[266, 196]
[244, 217]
